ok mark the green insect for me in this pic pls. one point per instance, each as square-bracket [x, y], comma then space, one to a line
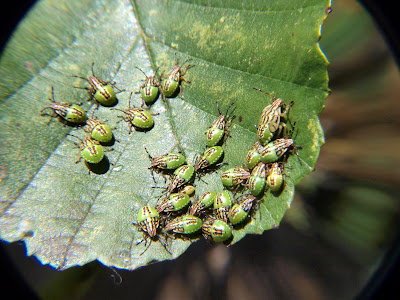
[253, 156]
[71, 113]
[137, 117]
[240, 210]
[91, 150]
[216, 230]
[99, 130]
[210, 157]
[275, 179]
[165, 162]
[150, 89]
[176, 201]
[188, 190]
[219, 129]
[235, 177]
[257, 179]
[223, 199]
[100, 91]
[148, 221]
[173, 79]
[181, 176]
[186, 224]
[222, 204]
[273, 151]
[200, 205]
[270, 121]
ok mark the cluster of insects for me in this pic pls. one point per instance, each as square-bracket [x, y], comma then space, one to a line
[265, 161]
[214, 214]
[98, 133]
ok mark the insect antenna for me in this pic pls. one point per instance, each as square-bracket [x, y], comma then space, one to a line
[130, 97]
[142, 72]
[77, 138]
[272, 96]
[155, 72]
[189, 59]
[45, 114]
[229, 107]
[148, 153]
[52, 95]
[114, 108]
[93, 69]
[77, 76]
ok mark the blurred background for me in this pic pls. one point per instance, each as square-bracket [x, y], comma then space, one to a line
[340, 239]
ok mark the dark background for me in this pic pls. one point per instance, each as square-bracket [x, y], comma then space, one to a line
[385, 14]
[380, 286]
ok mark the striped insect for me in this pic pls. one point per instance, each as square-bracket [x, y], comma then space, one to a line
[172, 81]
[165, 162]
[216, 230]
[148, 222]
[68, 113]
[257, 179]
[93, 155]
[275, 179]
[150, 89]
[210, 158]
[181, 176]
[99, 130]
[218, 131]
[240, 210]
[200, 206]
[253, 156]
[270, 121]
[102, 92]
[90, 150]
[222, 204]
[138, 118]
[184, 225]
[273, 151]
[175, 202]
[235, 177]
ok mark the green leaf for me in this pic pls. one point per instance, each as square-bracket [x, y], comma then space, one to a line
[66, 216]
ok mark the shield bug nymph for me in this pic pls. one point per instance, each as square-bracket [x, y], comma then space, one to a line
[275, 179]
[215, 230]
[90, 150]
[257, 179]
[70, 113]
[181, 176]
[165, 162]
[99, 130]
[148, 221]
[137, 117]
[240, 210]
[270, 121]
[175, 202]
[253, 156]
[101, 91]
[222, 204]
[273, 151]
[235, 177]
[150, 89]
[184, 225]
[219, 129]
[205, 201]
[211, 157]
[173, 79]
[279, 149]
